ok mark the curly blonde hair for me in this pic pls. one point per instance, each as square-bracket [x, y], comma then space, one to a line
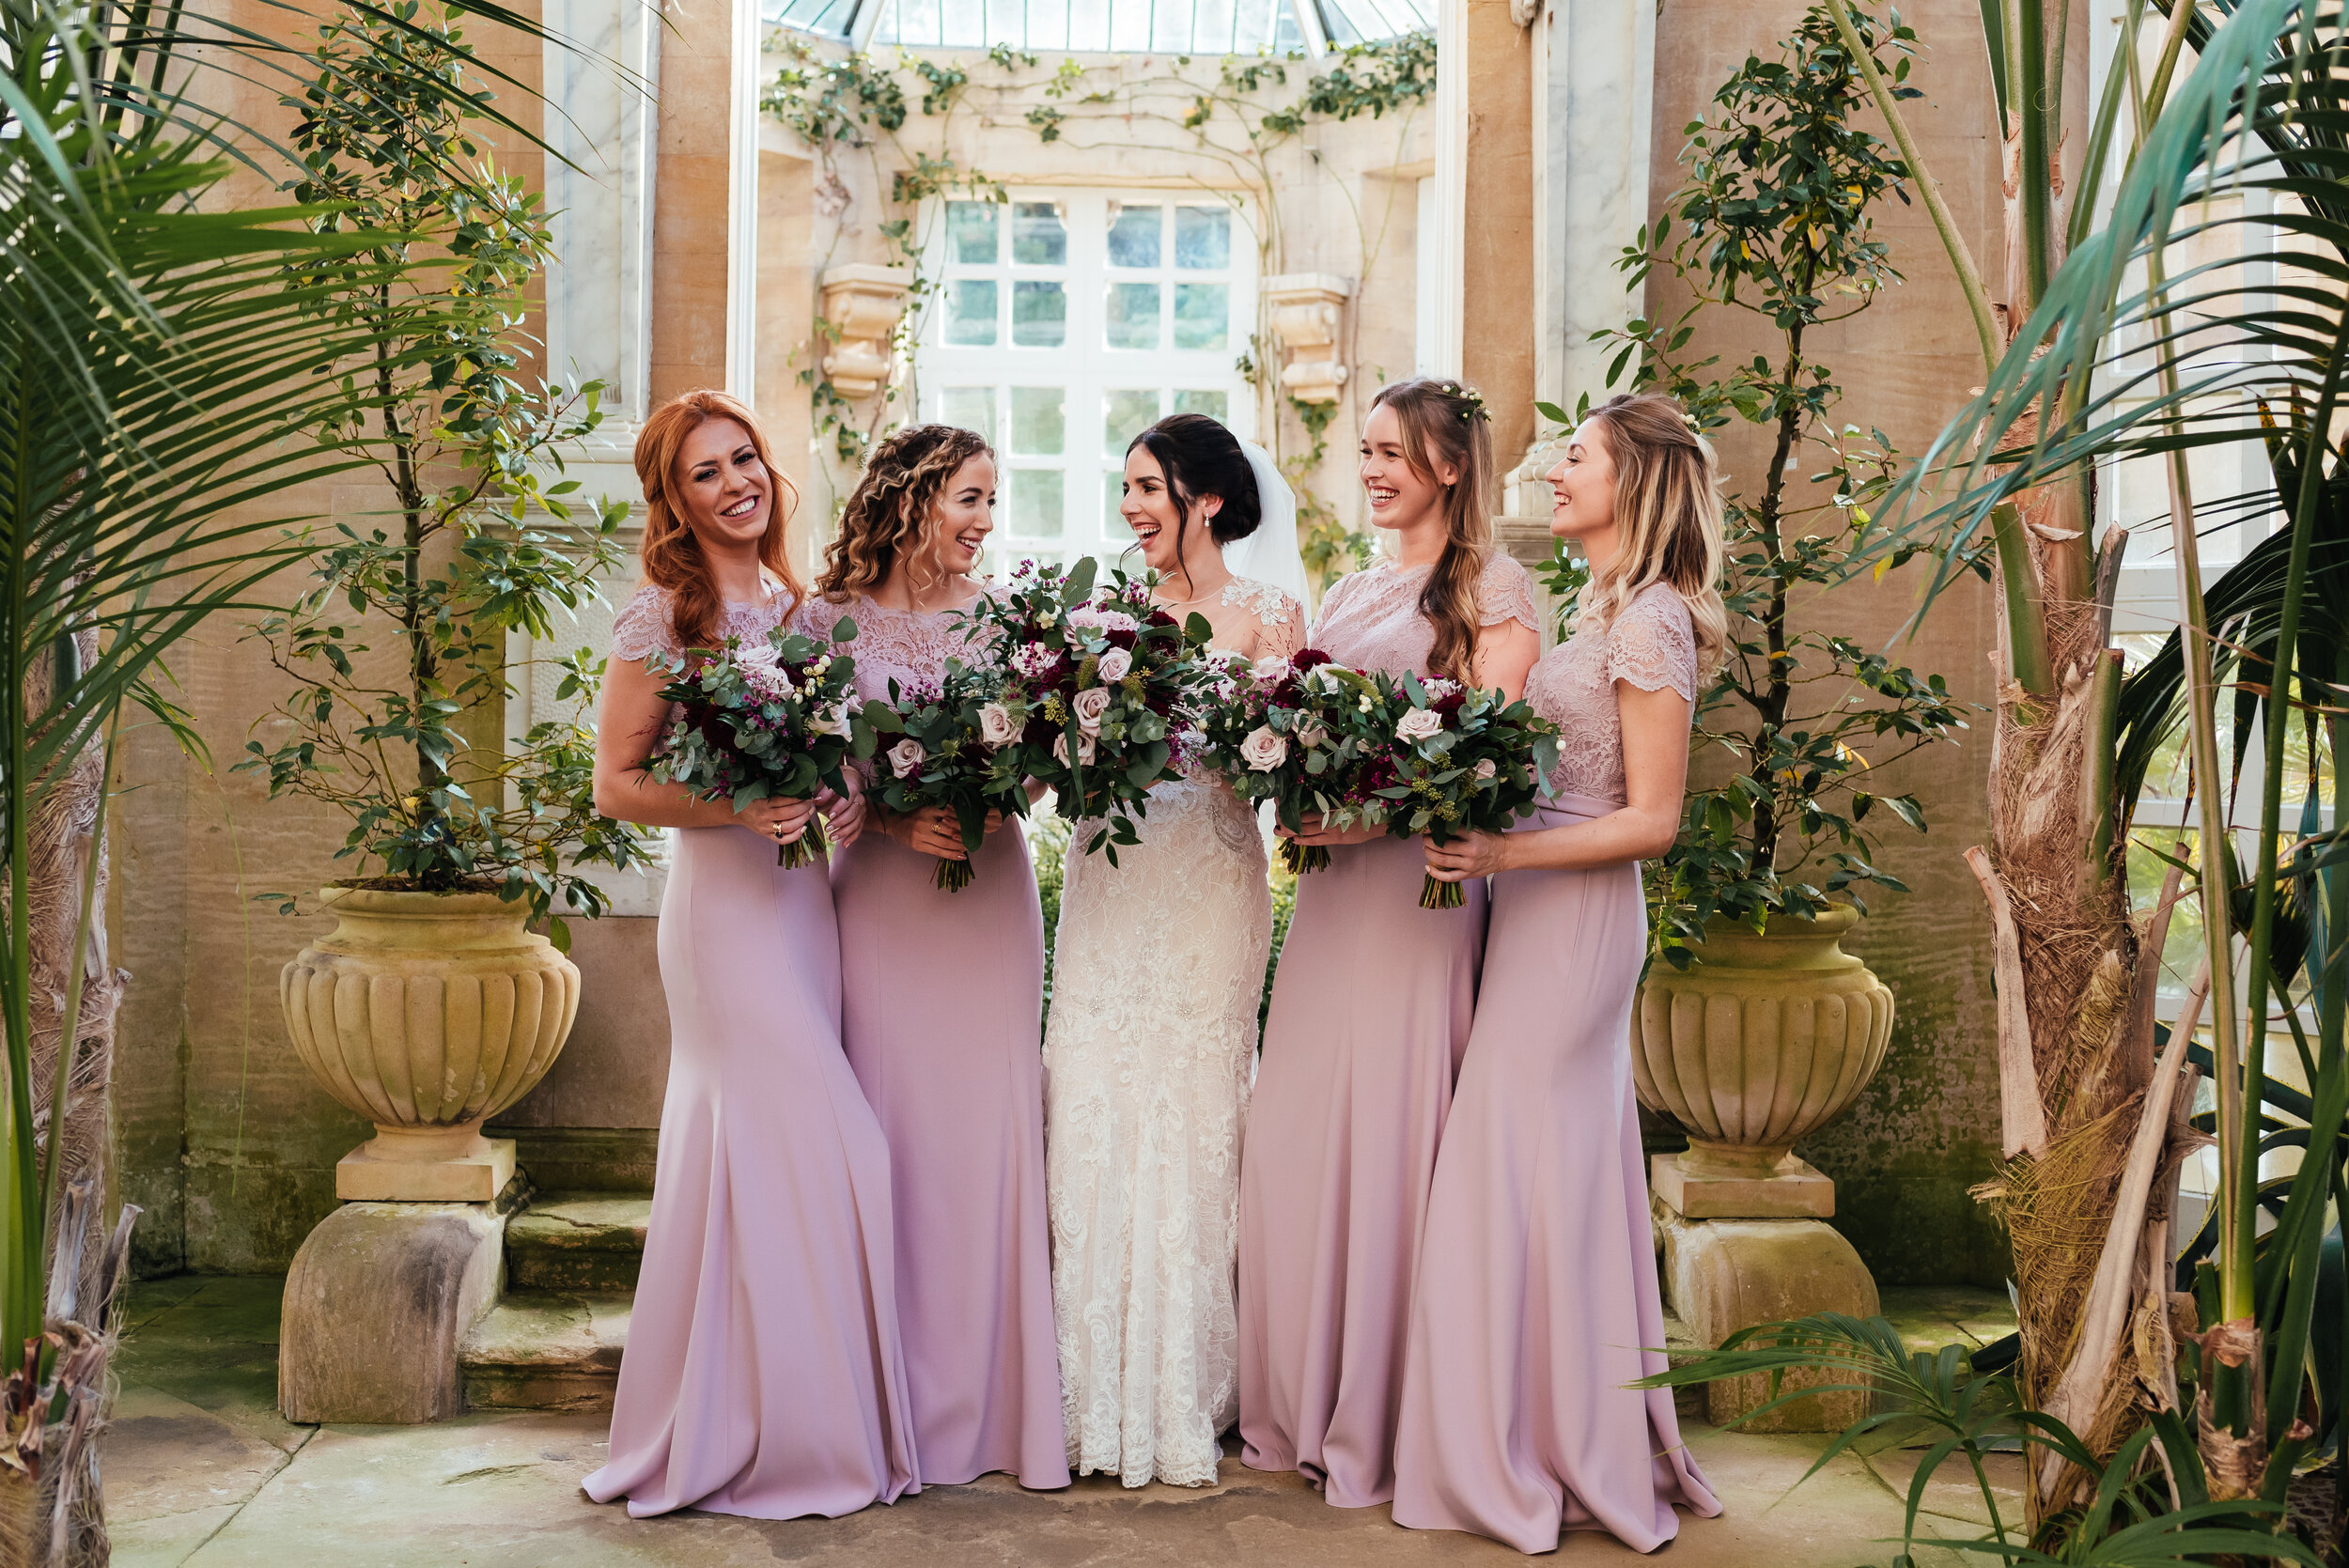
[1668, 518]
[672, 554]
[888, 520]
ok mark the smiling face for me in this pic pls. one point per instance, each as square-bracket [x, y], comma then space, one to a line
[964, 518]
[1583, 493]
[1150, 510]
[723, 491]
[1401, 497]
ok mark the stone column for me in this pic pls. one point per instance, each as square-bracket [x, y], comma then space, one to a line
[705, 224]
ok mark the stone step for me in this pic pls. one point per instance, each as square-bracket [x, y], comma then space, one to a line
[545, 1350]
[577, 1241]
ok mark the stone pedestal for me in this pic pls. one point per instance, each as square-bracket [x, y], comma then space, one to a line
[376, 1303]
[450, 1165]
[1768, 1258]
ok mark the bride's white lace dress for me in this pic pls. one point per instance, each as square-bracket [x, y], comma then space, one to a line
[1151, 1048]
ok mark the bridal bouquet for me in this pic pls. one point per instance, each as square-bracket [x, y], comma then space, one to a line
[1464, 761]
[1299, 732]
[948, 752]
[1091, 682]
[773, 722]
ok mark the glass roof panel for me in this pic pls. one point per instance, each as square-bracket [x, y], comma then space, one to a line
[1344, 22]
[1208, 27]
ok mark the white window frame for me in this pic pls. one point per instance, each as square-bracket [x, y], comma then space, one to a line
[1082, 366]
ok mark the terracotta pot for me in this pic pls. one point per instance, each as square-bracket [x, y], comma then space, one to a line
[1761, 1042]
[428, 1013]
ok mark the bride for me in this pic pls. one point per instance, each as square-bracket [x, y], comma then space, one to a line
[1151, 1048]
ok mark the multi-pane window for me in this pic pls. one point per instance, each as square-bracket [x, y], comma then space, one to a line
[1063, 324]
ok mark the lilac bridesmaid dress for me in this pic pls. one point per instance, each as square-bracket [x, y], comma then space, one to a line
[1537, 1278]
[1370, 1008]
[762, 1376]
[942, 998]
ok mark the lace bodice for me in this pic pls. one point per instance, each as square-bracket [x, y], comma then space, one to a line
[646, 623]
[904, 644]
[1370, 620]
[1649, 643]
[1279, 618]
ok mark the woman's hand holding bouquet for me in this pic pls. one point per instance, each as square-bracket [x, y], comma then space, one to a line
[773, 723]
[1091, 683]
[936, 747]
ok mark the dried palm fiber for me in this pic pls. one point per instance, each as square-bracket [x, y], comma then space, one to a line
[2057, 1209]
[65, 856]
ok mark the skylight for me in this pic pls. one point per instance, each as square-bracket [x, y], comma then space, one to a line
[1107, 26]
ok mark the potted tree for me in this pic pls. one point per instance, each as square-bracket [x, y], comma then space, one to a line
[432, 1006]
[1756, 1029]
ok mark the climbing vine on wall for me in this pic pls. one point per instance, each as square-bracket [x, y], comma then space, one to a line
[1237, 113]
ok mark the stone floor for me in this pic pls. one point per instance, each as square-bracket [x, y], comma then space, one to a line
[201, 1470]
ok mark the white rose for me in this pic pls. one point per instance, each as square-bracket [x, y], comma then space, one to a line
[1264, 750]
[1089, 705]
[1084, 750]
[1270, 667]
[1421, 723]
[995, 725]
[1310, 734]
[907, 756]
[1485, 769]
[1114, 664]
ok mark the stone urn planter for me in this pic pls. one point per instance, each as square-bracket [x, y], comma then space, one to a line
[428, 1013]
[1761, 1042]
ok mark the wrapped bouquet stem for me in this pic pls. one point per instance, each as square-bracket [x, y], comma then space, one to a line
[937, 746]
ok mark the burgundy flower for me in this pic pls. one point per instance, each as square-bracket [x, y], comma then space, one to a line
[1307, 659]
[1450, 702]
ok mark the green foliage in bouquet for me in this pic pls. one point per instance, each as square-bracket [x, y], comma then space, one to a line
[1462, 760]
[405, 740]
[943, 757]
[776, 725]
[1777, 219]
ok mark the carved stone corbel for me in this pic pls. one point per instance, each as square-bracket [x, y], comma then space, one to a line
[1308, 319]
[863, 303]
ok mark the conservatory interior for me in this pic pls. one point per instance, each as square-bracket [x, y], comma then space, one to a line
[2014, 324]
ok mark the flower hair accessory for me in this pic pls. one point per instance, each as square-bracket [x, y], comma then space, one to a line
[1474, 399]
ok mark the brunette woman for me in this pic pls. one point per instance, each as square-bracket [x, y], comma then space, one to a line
[1537, 1278]
[942, 995]
[763, 1374]
[1373, 999]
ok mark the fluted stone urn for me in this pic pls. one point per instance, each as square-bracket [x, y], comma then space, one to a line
[1761, 1042]
[428, 1013]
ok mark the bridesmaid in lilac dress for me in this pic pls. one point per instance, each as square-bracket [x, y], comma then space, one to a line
[1537, 1278]
[762, 1376]
[1372, 1003]
[943, 997]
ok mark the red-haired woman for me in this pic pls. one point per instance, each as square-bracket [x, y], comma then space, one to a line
[763, 1374]
[1373, 999]
[1537, 1281]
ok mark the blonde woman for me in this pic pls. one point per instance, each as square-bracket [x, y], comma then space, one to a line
[1536, 1283]
[1372, 1003]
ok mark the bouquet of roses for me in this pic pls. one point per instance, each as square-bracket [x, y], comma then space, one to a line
[1299, 732]
[778, 722]
[946, 754]
[1091, 681]
[1464, 761]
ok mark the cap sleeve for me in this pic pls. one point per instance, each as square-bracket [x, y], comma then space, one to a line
[644, 625]
[1653, 644]
[1506, 594]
